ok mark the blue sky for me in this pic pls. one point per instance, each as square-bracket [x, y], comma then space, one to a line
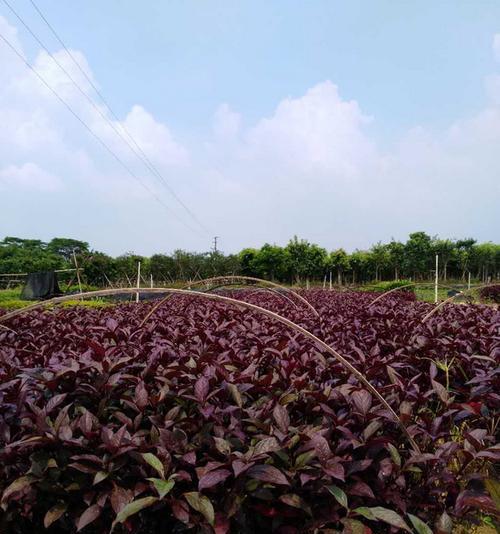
[408, 63]
[344, 122]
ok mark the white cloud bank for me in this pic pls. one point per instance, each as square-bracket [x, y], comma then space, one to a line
[496, 46]
[29, 177]
[318, 132]
[312, 167]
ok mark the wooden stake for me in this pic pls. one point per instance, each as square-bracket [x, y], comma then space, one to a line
[151, 280]
[436, 281]
[138, 280]
[77, 273]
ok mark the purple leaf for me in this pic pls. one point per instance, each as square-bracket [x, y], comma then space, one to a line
[268, 473]
[212, 478]
[280, 415]
[201, 388]
[362, 400]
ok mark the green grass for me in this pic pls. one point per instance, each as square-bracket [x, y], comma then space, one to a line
[10, 300]
[87, 303]
[9, 294]
[427, 294]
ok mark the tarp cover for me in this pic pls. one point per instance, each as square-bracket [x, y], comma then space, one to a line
[40, 286]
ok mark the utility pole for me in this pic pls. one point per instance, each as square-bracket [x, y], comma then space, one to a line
[215, 243]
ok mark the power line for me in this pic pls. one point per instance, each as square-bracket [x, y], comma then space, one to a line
[142, 155]
[89, 129]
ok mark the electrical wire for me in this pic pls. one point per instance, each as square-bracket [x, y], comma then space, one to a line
[142, 155]
[89, 129]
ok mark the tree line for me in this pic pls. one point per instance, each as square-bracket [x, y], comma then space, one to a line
[297, 262]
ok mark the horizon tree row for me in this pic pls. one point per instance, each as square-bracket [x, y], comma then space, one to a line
[297, 262]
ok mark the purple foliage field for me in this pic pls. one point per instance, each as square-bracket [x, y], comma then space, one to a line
[212, 418]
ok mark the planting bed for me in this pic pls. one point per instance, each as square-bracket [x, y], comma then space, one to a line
[214, 418]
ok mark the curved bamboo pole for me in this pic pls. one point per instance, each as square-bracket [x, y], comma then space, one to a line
[254, 307]
[441, 304]
[234, 279]
[385, 293]
[274, 291]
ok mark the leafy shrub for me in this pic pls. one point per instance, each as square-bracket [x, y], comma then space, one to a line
[491, 293]
[393, 284]
[214, 418]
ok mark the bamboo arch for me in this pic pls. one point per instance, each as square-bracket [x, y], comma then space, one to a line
[441, 304]
[257, 289]
[385, 293]
[270, 289]
[337, 356]
[233, 279]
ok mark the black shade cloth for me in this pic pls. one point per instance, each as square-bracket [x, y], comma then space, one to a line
[40, 286]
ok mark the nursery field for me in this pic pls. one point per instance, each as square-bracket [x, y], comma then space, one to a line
[209, 416]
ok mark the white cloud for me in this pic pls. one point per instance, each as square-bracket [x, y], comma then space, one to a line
[312, 168]
[492, 86]
[316, 132]
[227, 123]
[29, 177]
[11, 65]
[154, 138]
[496, 46]
[40, 139]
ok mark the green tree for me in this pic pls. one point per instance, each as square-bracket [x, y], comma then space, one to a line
[297, 253]
[446, 250]
[305, 259]
[418, 255]
[360, 264]
[247, 261]
[27, 256]
[99, 269]
[338, 260]
[271, 262]
[465, 253]
[126, 267]
[484, 260]
[396, 251]
[162, 268]
[64, 247]
[380, 255]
